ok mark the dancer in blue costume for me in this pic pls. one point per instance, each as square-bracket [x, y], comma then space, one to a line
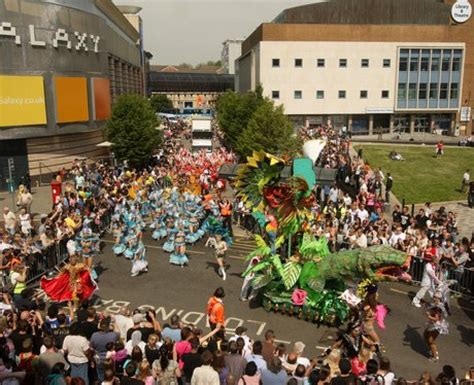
[159, 226]
[139, 264]
[178, 257]
[168, 246]
[89, 244]
[118, 232]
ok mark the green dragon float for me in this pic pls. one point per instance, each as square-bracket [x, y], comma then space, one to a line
[309, 280]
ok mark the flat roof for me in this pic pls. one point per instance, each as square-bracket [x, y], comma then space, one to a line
[189, 82]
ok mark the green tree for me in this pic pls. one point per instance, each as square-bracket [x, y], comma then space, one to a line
[268, 129]
[234, 111]
[131, 129]
[161, 103]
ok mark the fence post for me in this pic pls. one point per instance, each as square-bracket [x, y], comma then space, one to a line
[412, 209]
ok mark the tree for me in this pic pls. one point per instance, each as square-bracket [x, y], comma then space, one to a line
[268, 129]
[161, 103]
[131, 129]
[234, 111]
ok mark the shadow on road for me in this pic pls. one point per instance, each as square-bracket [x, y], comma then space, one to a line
[466, 307]
[416, 341]
[467, 335]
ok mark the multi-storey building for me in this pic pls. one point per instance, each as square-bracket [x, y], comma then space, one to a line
[231, 50]
[367, 64]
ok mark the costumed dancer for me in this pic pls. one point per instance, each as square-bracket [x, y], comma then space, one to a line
[429, 281]
[168, 246]
[436, 325]
[139, 263]
[73, 283]
[373, 312]
[88, 246]
[118, 232]
[178, 257]
[220, 248]
[247, 292]
[159, 226]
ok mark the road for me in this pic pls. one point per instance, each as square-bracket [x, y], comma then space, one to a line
[185, 291]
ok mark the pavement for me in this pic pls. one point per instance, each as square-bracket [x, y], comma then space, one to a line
[405, 138]
[184, 291]
[42, 201]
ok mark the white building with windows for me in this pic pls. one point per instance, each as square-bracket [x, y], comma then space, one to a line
[231, 50]
[405, 73]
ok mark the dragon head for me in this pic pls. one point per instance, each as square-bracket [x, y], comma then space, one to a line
[390, 264]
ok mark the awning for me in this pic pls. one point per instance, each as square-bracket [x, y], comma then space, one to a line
[104, 144]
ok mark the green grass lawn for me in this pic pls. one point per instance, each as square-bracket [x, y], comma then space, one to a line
[422, 177]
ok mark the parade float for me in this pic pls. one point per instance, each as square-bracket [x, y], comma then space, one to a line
[295, 273]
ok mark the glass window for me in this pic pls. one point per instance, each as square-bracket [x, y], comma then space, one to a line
[456, 64]
[275, 94]
[299, 63]
[275, 62]
[412, 91]
[298, 94]
[402, 91]
[425, 60]
[364, 63]
[433, 90]
[414, 63]
[443, 91]
[386, 63]
[422, 91]
[343, 63]
[435, 59]
[342, 94]
[320, 63]
[363, 94]
[403, 65]
[319, 94]
[385, 94]
[446, 60]
[454, 92]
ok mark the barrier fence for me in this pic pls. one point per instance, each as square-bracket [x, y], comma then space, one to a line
[54, 256]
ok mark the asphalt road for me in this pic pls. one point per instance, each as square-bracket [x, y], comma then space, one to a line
[185, 291]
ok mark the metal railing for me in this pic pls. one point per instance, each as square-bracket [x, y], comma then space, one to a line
[53, 257]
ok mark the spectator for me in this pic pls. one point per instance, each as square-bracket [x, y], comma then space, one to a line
[205, 374]
[275, 374]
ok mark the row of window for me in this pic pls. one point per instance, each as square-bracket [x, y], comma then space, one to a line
[321, 63]
[425, 90]
[426, 60]
[298, 94]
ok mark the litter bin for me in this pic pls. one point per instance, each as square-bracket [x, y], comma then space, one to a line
[56, 190]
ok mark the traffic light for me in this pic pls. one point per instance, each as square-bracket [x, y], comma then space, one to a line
[11, 164]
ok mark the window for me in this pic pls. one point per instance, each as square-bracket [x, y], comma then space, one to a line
[364, 63]
[425, 63]
[342, 94]
[433, 90]
[275, 94]
[443, 91]
[453, 94]
[412, 91]
[434, 63]
[403, 65]
[342, 63]
[446, 61]
[402, 91]
[275, 62]
[298, 94]
[385, 94]
[386, 63]
[363, 94]
[414, 63]
[422, 91]
[319, 94]
[320, 63]
[298, 63]
[456, 66]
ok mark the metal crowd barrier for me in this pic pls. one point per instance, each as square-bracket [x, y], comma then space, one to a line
[52, 257]
[464, 277]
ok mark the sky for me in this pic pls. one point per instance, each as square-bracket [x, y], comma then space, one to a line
[192, 31]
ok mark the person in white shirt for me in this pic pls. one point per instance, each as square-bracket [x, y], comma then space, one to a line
[205, 374]
[428, 282]
[76, 348]
[396, 237]
[123, 322]
[465, 180]
[362, 213]
[256, 356]
[299, 349]
[361, 240]
[9, 220]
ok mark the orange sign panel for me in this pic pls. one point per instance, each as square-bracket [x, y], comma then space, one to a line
[102, 99]
[71, 99]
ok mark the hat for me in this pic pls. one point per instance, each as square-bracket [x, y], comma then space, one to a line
[240, 330]
[137, 318]
[299, 347]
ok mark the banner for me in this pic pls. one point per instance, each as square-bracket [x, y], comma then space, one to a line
[102, 100]
[71, 99]
[22, 101]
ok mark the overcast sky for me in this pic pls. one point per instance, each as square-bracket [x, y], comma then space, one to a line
[192, 31]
